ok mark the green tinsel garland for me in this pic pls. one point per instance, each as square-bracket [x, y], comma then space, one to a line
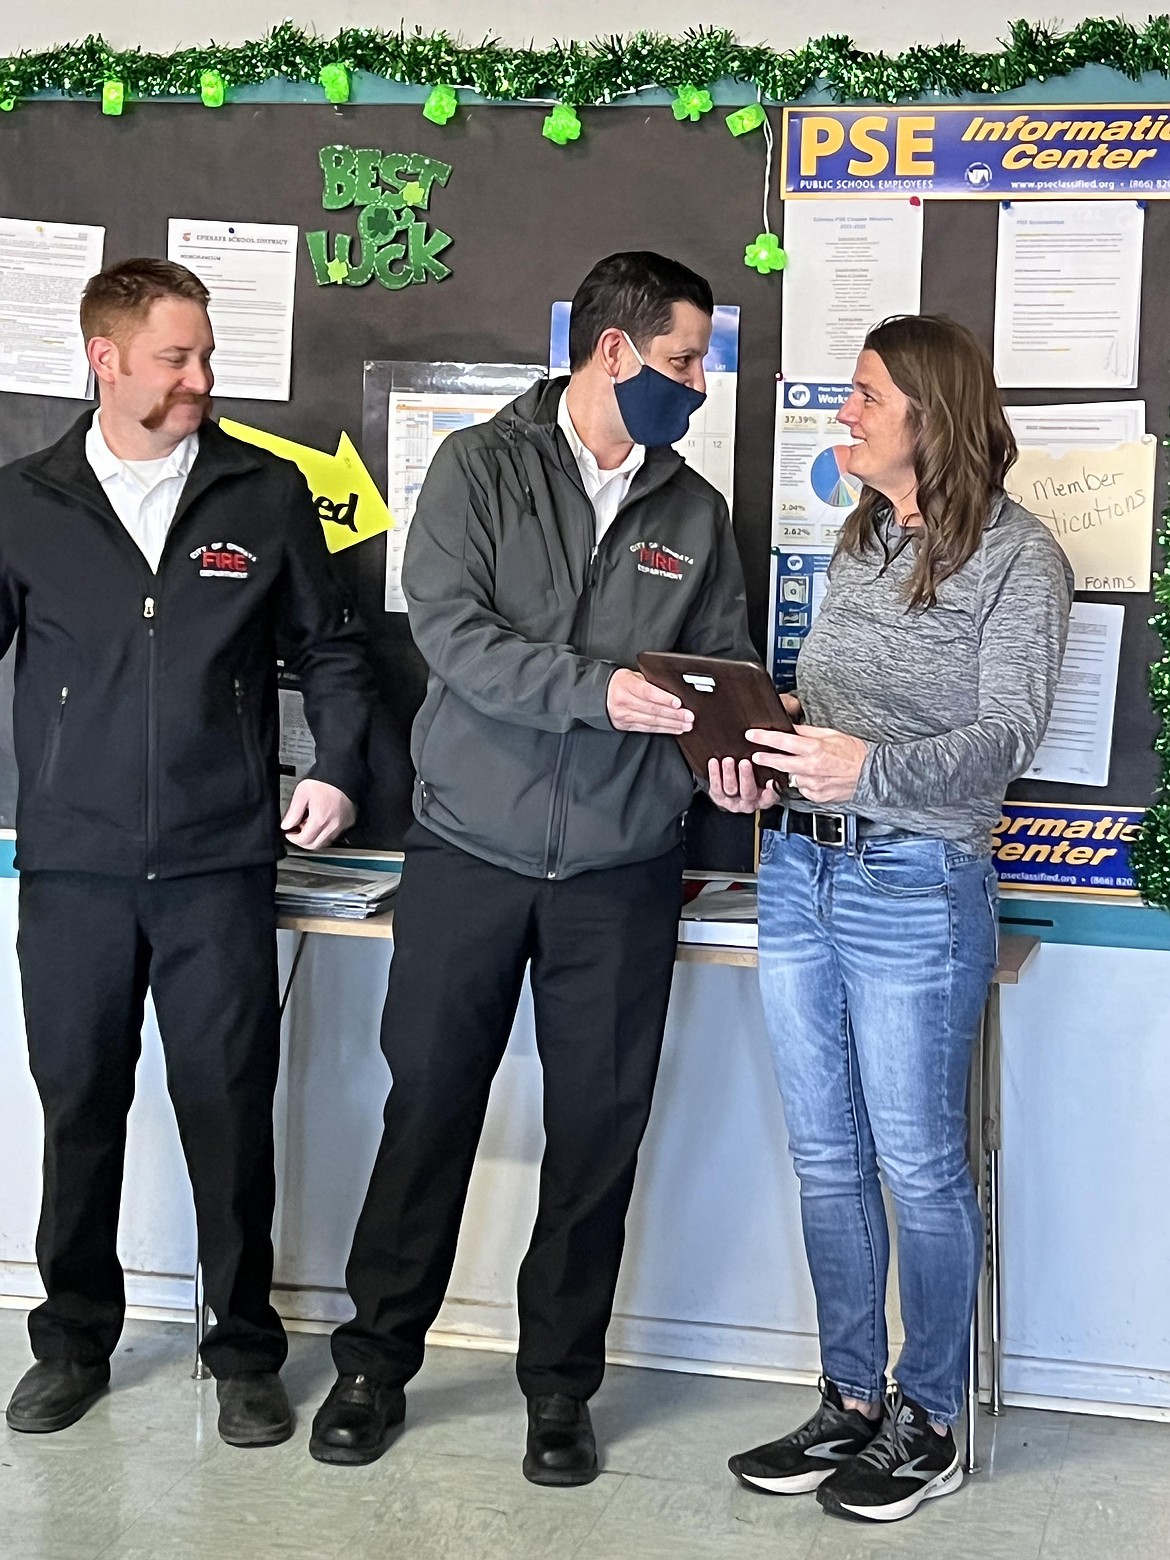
[602, 70]
[1149, 855]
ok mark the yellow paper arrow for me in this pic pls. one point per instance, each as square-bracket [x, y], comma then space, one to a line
[346, 497]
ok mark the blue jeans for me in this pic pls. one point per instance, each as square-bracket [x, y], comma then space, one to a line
[874, 968]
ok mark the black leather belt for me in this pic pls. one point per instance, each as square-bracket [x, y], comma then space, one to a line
[833, 829]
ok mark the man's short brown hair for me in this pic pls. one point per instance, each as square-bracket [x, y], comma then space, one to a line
[122, 294]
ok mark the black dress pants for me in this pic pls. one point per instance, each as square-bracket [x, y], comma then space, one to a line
[89, 947]
[601, 948]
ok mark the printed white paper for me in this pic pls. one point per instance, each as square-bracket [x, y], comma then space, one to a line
[298, 751]
[1076, 747]
[1080, 425]
[1068, 293]
[44, 267]
[249, 268]
[850, 264]
[416, 426]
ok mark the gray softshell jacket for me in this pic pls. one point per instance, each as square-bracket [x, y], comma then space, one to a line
[523, 619]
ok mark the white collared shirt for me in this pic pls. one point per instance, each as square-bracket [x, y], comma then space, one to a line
[606, 489]
[144, 494]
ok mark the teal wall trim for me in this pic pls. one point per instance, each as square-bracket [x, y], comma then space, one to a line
[1091, 84]
[1127, 924]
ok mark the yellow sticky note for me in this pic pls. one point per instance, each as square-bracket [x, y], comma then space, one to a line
[345, 495]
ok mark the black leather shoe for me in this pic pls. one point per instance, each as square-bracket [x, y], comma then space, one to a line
[357, 1421]
[253, 1409]
[55, 1393]
[561, 1448]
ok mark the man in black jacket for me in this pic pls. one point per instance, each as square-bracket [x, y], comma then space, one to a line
[152, 570]
[549, 547]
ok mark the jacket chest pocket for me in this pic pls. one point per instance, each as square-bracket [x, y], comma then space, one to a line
[533, 586]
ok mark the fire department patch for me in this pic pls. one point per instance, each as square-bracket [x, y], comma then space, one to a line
[222, 561]
[657, 559]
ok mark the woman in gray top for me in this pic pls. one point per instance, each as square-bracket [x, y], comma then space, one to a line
[924, 687]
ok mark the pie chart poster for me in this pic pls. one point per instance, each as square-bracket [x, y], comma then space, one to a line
[813, 491]
[830, 480]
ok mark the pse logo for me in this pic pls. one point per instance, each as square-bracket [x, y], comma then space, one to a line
[222, 561]
[664, 562]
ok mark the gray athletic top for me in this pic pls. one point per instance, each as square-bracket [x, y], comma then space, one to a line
[953, 699]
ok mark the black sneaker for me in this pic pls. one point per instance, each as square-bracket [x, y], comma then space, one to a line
[906, 1463]
[801, 1461]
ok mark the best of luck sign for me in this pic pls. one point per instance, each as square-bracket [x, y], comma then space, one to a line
[395, 243]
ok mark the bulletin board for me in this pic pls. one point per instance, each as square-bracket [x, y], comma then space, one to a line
[958, 278]
[527, 219]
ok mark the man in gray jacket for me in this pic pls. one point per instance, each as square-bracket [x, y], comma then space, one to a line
[549, 547]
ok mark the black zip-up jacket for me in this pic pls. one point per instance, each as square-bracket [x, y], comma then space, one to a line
[523, 619]
[145, 712]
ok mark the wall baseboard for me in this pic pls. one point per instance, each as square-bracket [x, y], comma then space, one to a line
[656, 1343]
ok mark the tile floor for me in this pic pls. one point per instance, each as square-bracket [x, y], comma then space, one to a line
[144, 1477]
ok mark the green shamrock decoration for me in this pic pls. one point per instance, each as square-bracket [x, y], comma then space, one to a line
[691, 103]
[750, 117]
[338, 270]
[413, 194]
[765, 254]
[380, 221]
[441, 105]
[113, 97]
[212, 89]
[335, 79]
[562, 125]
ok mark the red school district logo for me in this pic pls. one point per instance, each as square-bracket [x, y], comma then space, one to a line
[223, 561]
[664, 562]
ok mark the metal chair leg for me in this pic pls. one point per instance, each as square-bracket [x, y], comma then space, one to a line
[970, 1464]
[992, 1144]
[994, 1283]
[201, 1372]
[292, 971]
[976, 1134]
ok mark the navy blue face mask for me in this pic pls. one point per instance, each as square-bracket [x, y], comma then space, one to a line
[655, 408]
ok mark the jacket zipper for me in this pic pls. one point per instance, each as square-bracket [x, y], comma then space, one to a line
[248, 738]
[49, 766]
[558, 812]
[556, 798]
[590, 598]
[554, 801]
[148, 613]
[558, 807]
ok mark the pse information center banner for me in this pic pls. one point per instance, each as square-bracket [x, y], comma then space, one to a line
[1069, 848]
[1100, 150]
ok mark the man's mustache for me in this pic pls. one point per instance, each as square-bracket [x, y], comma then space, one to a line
[157, 415]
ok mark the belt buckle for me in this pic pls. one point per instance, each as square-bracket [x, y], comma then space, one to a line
[836, 822]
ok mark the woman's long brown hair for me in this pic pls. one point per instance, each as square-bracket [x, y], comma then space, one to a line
[963, 444]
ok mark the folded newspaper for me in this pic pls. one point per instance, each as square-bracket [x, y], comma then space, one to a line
[322, 888]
